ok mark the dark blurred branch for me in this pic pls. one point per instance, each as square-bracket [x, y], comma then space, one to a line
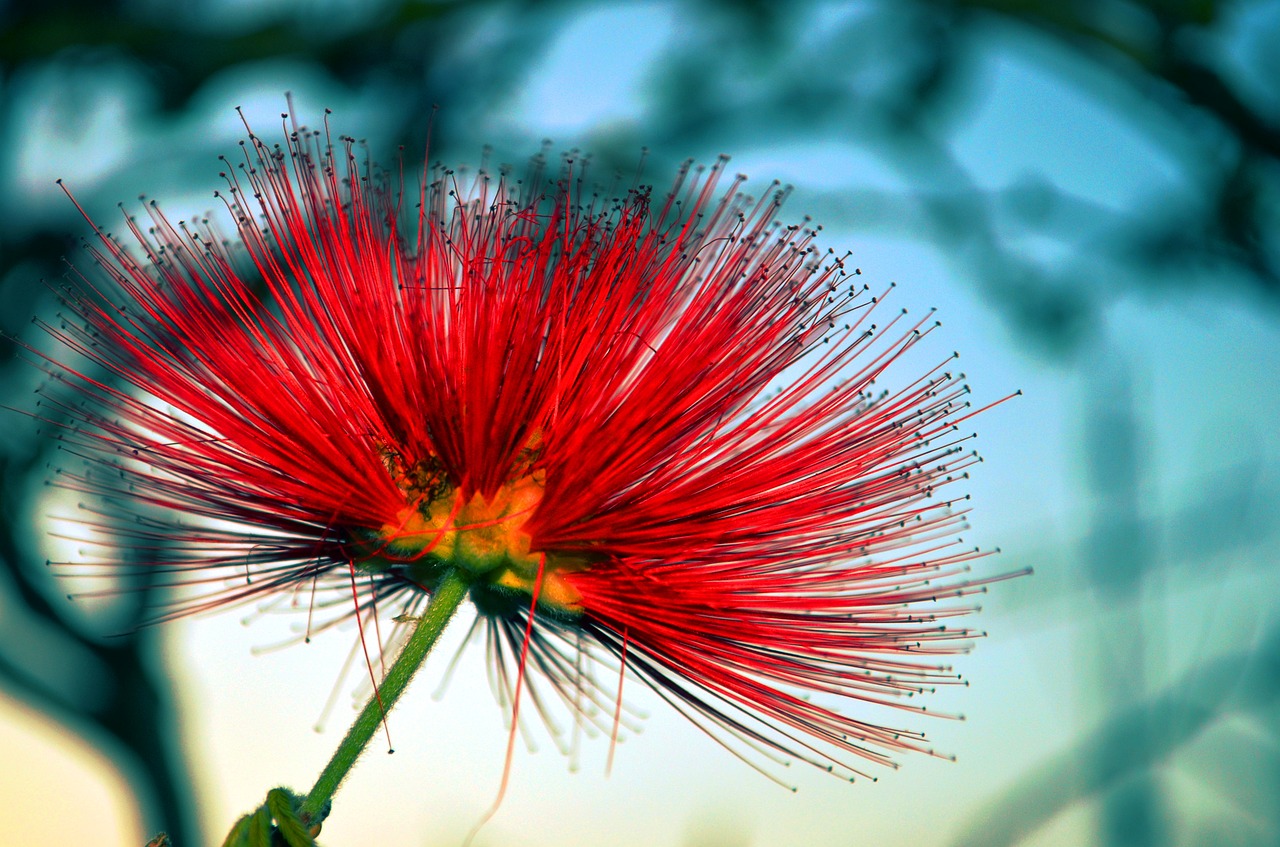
[183, 57]
[1118, 557]
[132, 716]
[406, 40]
[1246, 682]
[1158, 59]
[1159, 51]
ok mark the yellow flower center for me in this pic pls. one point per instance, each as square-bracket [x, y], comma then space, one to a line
[485, 539]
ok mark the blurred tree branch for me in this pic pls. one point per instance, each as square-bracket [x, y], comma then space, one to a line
[1132, 743]
[108, 690]
[1146, 43]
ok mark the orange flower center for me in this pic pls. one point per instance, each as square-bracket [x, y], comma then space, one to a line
[485, 538]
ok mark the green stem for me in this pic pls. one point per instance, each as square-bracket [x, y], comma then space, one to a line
[448, 595]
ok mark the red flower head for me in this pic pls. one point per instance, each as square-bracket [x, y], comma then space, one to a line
[638, 425]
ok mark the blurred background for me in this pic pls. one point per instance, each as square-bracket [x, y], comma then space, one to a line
[1087, 190]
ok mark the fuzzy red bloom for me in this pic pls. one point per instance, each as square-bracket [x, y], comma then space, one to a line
[661, 412]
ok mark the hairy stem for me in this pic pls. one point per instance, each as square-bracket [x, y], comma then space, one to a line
[448, 595]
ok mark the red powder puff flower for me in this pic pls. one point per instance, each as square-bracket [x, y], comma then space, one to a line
[641, 426]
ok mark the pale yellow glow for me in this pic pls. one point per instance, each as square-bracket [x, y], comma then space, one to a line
[56, 789]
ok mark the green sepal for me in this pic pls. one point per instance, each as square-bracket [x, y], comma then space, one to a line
[283, 805]
[239, 833]
[279, 822]
[259, 834]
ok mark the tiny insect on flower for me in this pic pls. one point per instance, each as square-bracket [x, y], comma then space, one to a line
[647, 431]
